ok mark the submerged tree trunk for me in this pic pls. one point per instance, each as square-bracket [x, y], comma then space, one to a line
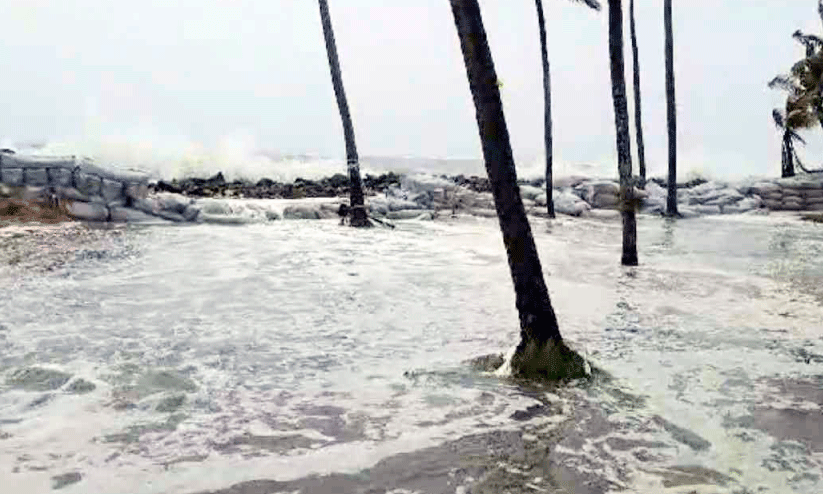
[358, 210]
[547, 106]
[638, 121]
[671, 111]
[541, 352]
[621, 121]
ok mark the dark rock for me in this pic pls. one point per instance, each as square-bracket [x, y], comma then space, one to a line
[63, 480]
[167, 187]
[80, 386]
[216, 179]
[265, 182]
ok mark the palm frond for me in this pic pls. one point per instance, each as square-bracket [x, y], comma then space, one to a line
[809, 41]
[593, 4]
[794, 136]
[784, 82]
[779, 121]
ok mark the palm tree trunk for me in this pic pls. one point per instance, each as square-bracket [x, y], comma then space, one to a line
[358, 210]
[541, 351]
[671, 111]
[547, 103]
[638, 121]
[621, 120]
[787, 155]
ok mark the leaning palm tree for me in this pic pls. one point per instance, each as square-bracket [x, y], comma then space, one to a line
[357, 210]
[671, 110]
[628, 203]
[638, 121]
[788, 123]
[547, 98]
[541, 352]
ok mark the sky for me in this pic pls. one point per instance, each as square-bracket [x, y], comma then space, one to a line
[215, 83]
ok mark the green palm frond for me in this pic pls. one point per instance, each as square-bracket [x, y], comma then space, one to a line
[809, 41]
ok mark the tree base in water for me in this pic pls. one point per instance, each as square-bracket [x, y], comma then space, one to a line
[547, 361]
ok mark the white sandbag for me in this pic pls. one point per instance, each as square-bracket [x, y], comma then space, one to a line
[12, 176]
[301, 212]
[793, 205]
[529, 192]
[395, 204]
[137, 190]
[706, 209]
[87, 184]
[35, 177]
[221, 219]
[112, 190]
[604, 200]
[130, 215]
[36, 162]
[567, 203]
[407, 214]
[687, 212]
[87, 211]
[818, 206]
[191, 213]
[60, 177]
[175, 203]
[812, 193]
[72, 194]
[541, 200]
[773, 204]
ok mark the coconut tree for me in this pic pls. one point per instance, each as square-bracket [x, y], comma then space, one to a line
[671, 111]
[547, 97]
[542, 351]
[359, 217]
[628, 202]
[638, 121]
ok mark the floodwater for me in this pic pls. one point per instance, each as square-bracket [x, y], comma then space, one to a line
[301, 356]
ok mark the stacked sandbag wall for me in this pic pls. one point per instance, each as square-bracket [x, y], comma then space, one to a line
[87, 191]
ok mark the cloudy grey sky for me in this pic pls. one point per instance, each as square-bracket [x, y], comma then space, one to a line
[219, 79]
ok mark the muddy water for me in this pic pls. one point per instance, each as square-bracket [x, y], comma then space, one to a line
[301, 356]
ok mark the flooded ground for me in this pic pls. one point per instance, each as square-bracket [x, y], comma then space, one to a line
[300, 356]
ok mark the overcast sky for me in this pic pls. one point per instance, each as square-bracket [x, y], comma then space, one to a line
[158, 78]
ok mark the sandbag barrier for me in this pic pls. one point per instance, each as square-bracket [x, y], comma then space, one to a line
[88, 192]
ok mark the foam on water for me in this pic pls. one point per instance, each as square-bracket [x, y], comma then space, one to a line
[301, 347]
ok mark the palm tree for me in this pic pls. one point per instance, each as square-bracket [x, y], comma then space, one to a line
[358, 210]
[788, 151]
[547, 98]
[628, 203]
[541, 352]
[638, 121]
[671, 111]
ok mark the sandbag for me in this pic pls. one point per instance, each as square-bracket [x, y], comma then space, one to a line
[529, 192]
[137, 190]
[112, 190]
[707, 209]
[12, 176]
[87, 211]
[300, 212]
[71, 193]
[406, 214]
[130, 215]
[36, 177]
[87, 184]
[773, 204]
[59, 177]
[605, 200]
